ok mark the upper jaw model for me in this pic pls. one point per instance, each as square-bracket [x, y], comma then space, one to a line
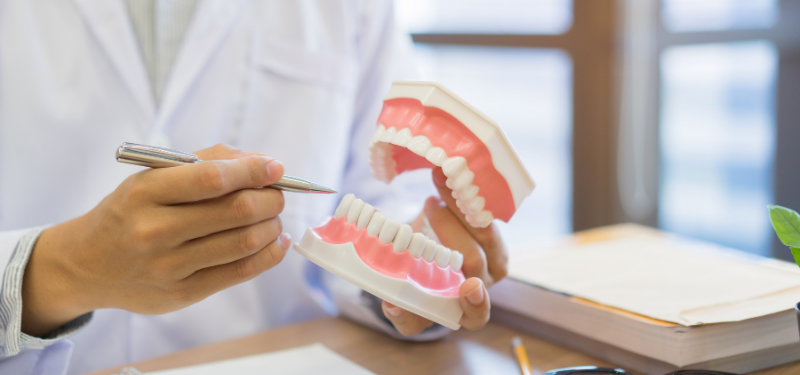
[423, 124]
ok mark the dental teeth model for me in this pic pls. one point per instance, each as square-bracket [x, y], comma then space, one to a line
[422, 125]
[385, 258]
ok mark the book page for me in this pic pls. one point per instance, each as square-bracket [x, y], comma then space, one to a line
[663, 278]
[310, 359]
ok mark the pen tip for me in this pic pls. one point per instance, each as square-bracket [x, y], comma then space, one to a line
[516, 341]
[317, 188]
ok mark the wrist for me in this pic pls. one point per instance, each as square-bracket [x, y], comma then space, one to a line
[51, 289]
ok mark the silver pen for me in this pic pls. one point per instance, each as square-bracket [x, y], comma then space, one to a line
[158, 157]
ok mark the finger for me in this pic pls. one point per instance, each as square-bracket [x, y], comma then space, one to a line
[407, 323]
[210, 179]
[208, 281]
[475, 303]
[453, 235]
[489, 238]
[237, 209]
[223, 152]
[223, 247]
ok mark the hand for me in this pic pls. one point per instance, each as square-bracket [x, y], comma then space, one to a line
[163, 240]
[485, 261]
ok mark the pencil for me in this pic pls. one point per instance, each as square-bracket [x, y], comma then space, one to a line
[521, 356]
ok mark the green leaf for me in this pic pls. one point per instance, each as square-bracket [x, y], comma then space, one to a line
[787, 225]
[796, 253]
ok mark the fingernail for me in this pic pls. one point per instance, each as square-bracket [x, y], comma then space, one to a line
[286, 240]
[393, 311]
[274, 169]
[476, 296]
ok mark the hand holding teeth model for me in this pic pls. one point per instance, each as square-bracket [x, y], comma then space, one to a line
[422, 125]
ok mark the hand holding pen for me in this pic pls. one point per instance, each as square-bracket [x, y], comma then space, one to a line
[164, 239]
[158, 157]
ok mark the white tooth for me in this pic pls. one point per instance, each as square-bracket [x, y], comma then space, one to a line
[344, 206]
[449, 182]
[429, 251]
[436, 155]
[365, 216]
[476, 203]
[419, 145]
[442, 256]
[416, 245]
[469, 192]
[403, 239]
[471, 220]
[383, 150]
[354, 211]
[378, 133]
[484, 219]
[388, 135]
[375, 224]
[389, 230]
[461, 205]
[402, 137]
[452, 166]
[456, 260]
[465, 207]
[463, 180]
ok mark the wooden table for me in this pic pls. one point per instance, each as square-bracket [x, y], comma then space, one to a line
[463, 352]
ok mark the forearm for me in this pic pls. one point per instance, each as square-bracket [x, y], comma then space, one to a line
[11, 301]
[50, 293]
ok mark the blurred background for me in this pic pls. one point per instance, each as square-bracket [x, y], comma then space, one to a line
[680, 114]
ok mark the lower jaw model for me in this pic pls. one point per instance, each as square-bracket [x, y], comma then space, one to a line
[379, 255]
[422, 125]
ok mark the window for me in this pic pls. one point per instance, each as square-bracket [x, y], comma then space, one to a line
[526, 90]
[486, 17]
[717, 15]
[680, 114]
[717, 137]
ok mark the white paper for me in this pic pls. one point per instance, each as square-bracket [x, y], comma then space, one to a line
[311, 359]
[663, 279]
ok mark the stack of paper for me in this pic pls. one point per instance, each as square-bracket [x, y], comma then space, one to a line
[685, 303]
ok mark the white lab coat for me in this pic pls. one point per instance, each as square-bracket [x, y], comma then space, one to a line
[300, 80]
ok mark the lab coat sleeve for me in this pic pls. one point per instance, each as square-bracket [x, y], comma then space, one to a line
[386, 55]
[19, 351]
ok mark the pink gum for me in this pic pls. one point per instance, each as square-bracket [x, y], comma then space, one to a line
[380, 257]
[445, 131]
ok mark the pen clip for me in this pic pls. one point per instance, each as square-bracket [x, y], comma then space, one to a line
[150, 156]
[169, 153]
